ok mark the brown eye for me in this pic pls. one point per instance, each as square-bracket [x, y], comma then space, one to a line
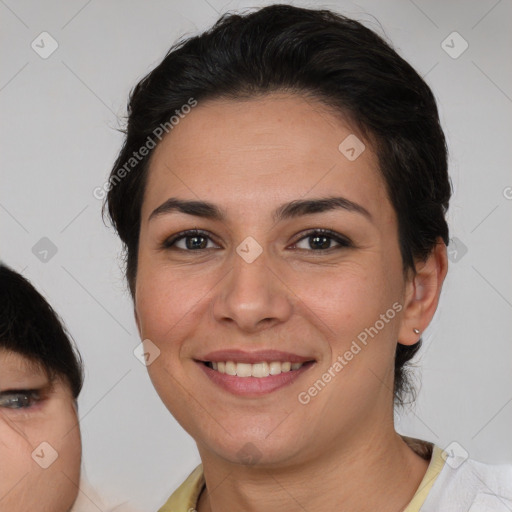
[191, 240]
[321, 240]
[196, 242]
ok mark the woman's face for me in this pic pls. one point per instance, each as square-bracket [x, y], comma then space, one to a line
[40, 445]
[270, 268]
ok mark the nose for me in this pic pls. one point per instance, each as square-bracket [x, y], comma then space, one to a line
[252, 297]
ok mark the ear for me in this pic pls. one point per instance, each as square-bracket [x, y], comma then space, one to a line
[422, 292]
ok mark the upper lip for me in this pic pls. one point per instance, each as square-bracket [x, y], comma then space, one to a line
[241, 356]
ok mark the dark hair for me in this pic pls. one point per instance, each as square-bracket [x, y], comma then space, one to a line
[30, 327]
[325, 56]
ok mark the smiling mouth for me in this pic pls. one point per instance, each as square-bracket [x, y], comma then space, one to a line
[258, 370]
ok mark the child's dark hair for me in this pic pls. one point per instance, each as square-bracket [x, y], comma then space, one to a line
[327, 57]
[30, 327]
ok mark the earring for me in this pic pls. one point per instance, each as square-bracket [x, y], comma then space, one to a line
[416, 331]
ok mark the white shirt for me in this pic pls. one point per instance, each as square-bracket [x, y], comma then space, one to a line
[470, 486]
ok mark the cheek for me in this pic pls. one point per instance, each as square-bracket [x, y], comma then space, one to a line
[70, 445]
[15, 451]
[347, 299]
[41, 476]
[356, 309]
[63, 476]
[61, 431]
[166, 307]
[167, 299]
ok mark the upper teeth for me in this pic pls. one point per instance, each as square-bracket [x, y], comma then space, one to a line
[263, 369]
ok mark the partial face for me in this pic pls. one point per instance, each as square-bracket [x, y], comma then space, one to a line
[39, 439]
[269, 272]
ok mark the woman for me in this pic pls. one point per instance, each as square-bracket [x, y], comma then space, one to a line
[40, 379]
[281, 196]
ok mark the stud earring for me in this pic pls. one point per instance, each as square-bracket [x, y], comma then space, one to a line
[416, 331]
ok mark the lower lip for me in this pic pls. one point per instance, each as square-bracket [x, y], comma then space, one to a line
[253, 386]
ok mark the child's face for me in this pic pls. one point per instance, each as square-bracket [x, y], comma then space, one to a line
[40, 446]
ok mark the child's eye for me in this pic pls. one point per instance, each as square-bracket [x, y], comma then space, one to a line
[191, 240]
[19, 399]
[321, 240]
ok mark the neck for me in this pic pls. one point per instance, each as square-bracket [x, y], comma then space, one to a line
[380, 472]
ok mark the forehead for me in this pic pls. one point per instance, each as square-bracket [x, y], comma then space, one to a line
[285, 145]
[14, 360]
[13, 365]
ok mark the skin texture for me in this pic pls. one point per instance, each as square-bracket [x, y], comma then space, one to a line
[249, 158]
[24, 484]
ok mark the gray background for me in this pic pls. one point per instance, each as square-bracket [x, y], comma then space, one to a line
[58, 141]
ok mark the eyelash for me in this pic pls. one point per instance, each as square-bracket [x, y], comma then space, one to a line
[11, 399]
[343, 241]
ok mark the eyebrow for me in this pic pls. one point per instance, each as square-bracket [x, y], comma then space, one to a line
[289, 210]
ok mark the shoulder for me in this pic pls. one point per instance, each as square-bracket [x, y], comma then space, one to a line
[469, 486]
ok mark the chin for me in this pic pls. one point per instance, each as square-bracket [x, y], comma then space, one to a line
[253, 450]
